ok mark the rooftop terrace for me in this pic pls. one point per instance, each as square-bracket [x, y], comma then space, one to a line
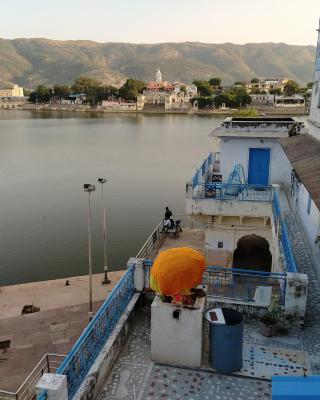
[258, 127]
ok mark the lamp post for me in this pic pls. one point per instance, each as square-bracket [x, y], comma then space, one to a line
[106, 280]
[89, 188]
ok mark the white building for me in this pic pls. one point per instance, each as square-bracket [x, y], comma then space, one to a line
[254, 143]
[295, 101]
[303, 152]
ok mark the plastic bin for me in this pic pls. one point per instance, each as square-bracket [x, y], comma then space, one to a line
[225, 339]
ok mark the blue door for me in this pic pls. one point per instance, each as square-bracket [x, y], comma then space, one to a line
[259, 162]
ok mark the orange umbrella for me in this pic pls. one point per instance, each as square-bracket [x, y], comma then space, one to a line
[177, 270]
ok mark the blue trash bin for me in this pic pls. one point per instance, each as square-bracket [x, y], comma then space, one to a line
[225, 339]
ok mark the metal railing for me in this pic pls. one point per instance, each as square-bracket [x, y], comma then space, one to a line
[243, 285]
[205, 169]
[27, 391]
[83, 354]
[283, 235]
[262, 123]
[153, 242]
[157, 237]
[226, 191]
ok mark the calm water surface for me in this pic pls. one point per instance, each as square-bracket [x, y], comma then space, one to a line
[46, 159]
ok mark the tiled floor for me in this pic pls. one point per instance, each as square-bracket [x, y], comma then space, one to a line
[136, 377]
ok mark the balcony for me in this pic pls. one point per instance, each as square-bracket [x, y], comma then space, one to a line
[225, 199]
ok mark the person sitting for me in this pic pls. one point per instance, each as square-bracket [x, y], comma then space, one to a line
[166, 224]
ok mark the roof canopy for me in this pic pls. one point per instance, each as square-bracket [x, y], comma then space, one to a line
[303, 151]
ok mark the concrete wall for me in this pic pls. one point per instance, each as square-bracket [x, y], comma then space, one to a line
[230, 237]
[208, 206]
[236, 151]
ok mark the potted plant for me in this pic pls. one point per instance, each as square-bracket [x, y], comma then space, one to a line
[270, 321]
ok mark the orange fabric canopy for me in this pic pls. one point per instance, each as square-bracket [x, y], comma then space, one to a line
[177, 270]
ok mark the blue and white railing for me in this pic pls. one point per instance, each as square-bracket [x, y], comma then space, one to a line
[83, 354]
[226, 191]
[240, 285]
[204, 171]
[283, 234]
[234, 285]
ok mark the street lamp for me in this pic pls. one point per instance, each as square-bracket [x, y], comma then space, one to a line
[89, 188]
[106, 280]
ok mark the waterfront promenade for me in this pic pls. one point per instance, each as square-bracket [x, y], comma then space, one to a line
[63, 316]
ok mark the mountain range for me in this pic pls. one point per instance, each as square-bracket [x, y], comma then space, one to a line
[30, 62]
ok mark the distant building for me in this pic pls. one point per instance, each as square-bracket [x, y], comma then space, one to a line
[267, 84]
[15, 91]
[262, 100]
[74, 98]
[118, 106]
[289, 101]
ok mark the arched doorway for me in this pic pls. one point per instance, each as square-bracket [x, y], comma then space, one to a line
[252, 253]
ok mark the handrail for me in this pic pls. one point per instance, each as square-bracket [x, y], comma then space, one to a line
[284, 237]
[246, 271]
[231, 191]
[26, 391]
[84, 352]
[155, 236]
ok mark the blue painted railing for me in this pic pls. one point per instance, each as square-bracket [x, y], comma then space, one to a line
[83, 354]
[203, 170]
[240, 285]
[236, 285]
[283, 234]
[225, 191]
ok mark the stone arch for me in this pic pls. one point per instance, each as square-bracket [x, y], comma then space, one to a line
[252, 253]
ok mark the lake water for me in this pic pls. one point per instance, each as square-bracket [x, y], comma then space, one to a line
[46, 158]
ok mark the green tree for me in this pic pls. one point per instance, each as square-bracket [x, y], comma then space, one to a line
[309, 85]
[240, 83]
[83, 84]
[215, 82]
[130, 90]
[204, 101]
[42, 94]
[183, 89]
[290, 88]
[61, 92]
[204, 88]
[254, 80]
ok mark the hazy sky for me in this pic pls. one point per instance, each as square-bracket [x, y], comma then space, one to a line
[151, 21]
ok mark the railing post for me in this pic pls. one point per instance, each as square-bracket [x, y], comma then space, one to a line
[48, 363]
[138, 272]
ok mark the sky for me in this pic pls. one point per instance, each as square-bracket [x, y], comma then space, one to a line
[155, 21]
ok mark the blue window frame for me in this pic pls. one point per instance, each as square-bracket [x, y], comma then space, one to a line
[309, 204]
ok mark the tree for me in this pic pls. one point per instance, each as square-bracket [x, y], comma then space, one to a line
[240, 83]
[204, 88]
[309, 85]
[83, 84]
[203, 102]
[61, 92]
[254, 80]
[41, 95]
[183, 89]
[130, 90]
[215, 82]
[290, 88]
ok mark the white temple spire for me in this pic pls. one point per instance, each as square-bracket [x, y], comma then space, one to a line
[159, 76]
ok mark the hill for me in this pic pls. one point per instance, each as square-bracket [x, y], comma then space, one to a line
[30, 62]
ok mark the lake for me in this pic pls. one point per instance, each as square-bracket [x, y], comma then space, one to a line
[46, 158]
